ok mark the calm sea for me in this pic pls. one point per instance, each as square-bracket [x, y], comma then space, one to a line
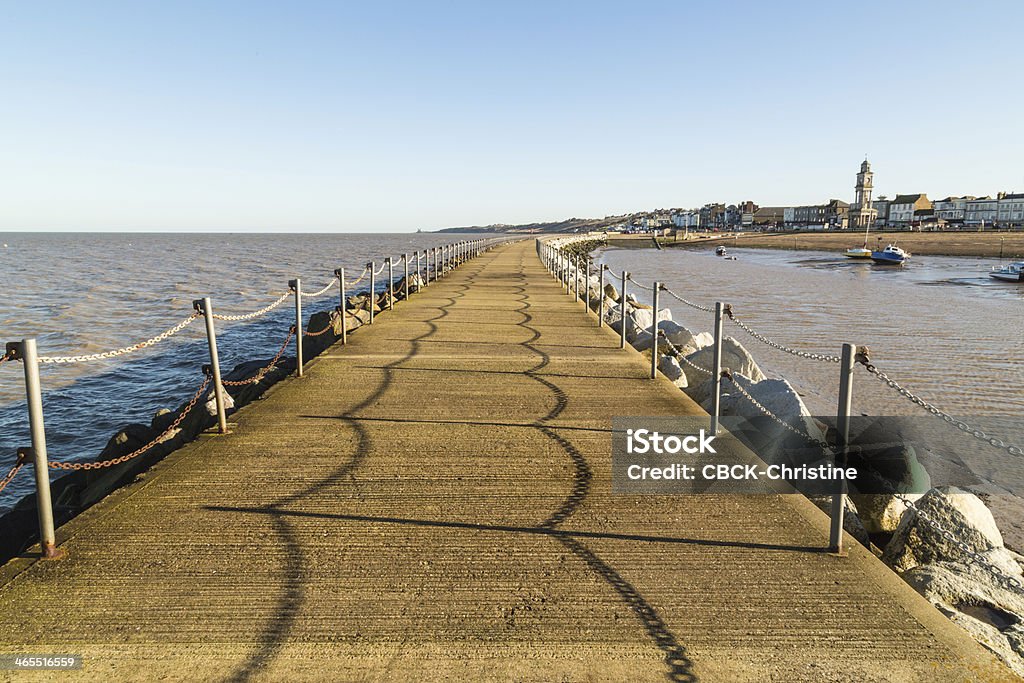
[86, 293]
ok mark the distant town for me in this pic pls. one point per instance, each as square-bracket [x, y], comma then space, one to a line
[915, 211]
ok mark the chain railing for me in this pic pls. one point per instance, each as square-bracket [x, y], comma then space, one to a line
[106, 355]
[262, 372]
[865, 360]
[555, 258]
[445, 258]
[257, 313]
[329, 286]
[706, 309]
[776, 345]
[164, 435]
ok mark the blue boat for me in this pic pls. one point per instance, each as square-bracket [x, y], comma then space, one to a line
[891, 255]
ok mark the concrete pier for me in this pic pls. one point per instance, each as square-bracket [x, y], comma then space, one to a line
[432, 502]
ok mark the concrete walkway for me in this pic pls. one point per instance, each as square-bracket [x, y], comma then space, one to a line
[432, 502]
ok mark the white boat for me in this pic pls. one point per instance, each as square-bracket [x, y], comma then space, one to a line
[890, 255]
[860, 252]
[1013, 272]
[720, 251]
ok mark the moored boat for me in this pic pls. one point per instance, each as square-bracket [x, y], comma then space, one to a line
[857, 252]
[1013, 272]
[720, 250]
[892, 255]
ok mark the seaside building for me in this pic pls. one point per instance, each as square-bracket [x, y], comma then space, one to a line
[953, 210]
[881, 207]
[1011, 209]
[770, 216]
[901, 211]
[829, 216]
[862, 214]
[981, 210]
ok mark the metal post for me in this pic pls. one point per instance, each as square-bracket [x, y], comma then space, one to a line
[600, 297]
[405, 261]
[340, 272]
[576, 278]
[622, 311]
[205, 307]
[654, 332]
[297, 283]
[391, 284]
[373, 292]
[34, 396]
[586, 284]
[716, 368]
[835, 541]
[423, 280]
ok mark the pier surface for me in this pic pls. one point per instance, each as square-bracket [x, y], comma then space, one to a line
[432, 502]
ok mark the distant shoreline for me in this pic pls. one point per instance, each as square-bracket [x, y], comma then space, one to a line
[927, 243]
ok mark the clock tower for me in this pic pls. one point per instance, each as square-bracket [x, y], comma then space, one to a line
[862, 214]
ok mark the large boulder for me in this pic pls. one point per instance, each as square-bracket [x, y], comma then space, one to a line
[881, 513]
[683, 339]
[981, 600]
[948, 525]
[611, 292]
[643, 319]
[670, 367]
[772, 442]
[734, 357]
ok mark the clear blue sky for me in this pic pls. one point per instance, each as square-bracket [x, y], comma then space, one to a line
[395, 116]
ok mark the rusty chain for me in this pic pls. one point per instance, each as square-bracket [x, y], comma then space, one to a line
[13, 472]
[678, 354]
[139, 451]
[255, 314]
[262, 372]
[7, 355]
[330, 325]
[122, 351]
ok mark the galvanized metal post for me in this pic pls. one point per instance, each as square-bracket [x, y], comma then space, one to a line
[423, 280]
[405, 286]
[576, 278]
[391, 284]
[600, 297]
[205, 306]
[586, 285]
[716, 368]
[373, 291]
[297, 284]
[622, 311]
[654, 331]
[340, 272]
[846, 364]
[34, 398]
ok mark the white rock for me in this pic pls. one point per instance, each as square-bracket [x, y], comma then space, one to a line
[211, 401]
[643, 318]
[683, 339]
[669, 367]
[734, 357]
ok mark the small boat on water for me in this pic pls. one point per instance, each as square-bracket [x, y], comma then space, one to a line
[1013, 272]
[891, 255]
[858, 252]
[720, 250]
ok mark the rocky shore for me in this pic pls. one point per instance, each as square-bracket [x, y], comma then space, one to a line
[946, 544]
[77, 491]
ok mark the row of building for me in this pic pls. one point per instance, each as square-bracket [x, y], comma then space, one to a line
[904, 211]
